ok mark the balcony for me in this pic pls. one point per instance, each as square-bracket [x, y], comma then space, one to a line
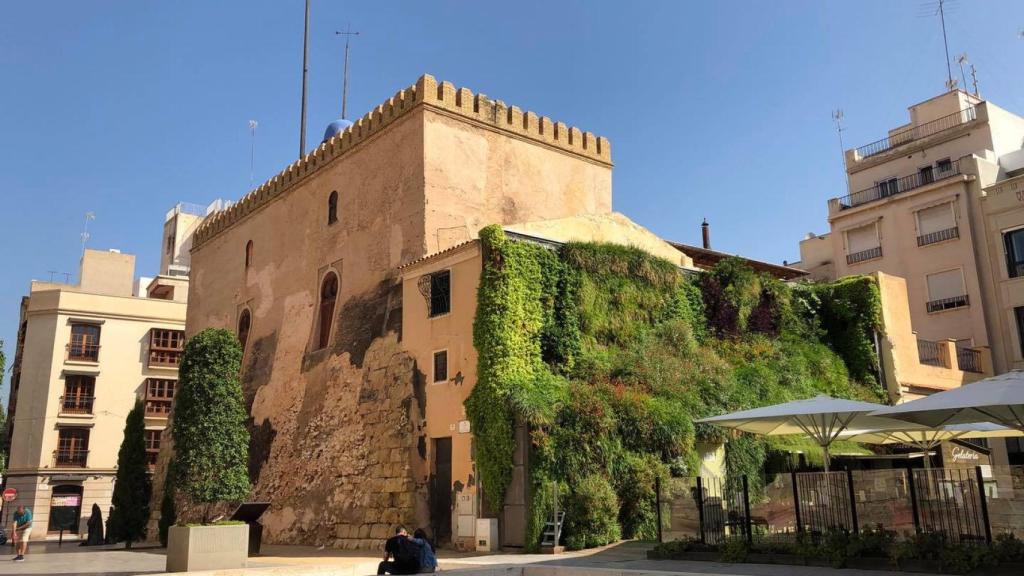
[899, 185]
[78, 351]
[948, 303]
[918, 132]
[969, 360]
[76, 404]
[864, 255]
[165, 348]
[938, 236]
[931, 354]
[70, 458]
[158, 407]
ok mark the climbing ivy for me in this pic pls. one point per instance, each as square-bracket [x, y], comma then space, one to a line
[608, 355]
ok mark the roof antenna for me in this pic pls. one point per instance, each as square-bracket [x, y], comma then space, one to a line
[85, 230]
[252, 151]
[305, 73]
[348, 34]
[974, 79]
[950, 83]
[837, 118]
[961, 60]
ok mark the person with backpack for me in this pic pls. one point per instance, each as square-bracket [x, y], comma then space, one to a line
[404, 550]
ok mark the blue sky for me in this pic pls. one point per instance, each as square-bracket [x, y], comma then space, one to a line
[714, 109]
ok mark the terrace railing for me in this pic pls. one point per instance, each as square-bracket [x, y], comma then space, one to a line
[969, 360]
[948, 303]
[864, 255]
[913, 133]
[930, 353]
[896, 186]
[938, 236]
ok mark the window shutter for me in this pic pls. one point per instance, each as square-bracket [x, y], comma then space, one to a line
[861, 239]
[948, 284]
[935, 219]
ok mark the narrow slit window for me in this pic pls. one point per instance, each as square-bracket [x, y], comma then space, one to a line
[332, 208]
[328, 298]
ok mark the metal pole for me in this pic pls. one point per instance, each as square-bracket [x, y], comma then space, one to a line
[984, 504]
[945, 43]
[305, 73]
[700, 508]
[344, 82]
[853, 501]
[796, 504]
[913, 500]
[746, 509]
[657, 500]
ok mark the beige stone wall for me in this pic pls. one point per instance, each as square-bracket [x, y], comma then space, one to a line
[338, 434]
[107, 272]
[1002, 209]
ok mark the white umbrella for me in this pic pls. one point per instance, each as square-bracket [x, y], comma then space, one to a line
[999, 399]
[822, 418]
[927, 439]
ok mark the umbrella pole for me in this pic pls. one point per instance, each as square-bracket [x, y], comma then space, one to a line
[824, 448]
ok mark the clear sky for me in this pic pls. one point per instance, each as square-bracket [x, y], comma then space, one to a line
[714, 109]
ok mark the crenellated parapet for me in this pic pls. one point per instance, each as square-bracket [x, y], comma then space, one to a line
[442, 97]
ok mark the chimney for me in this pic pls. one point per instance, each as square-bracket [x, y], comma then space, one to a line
[705, 232]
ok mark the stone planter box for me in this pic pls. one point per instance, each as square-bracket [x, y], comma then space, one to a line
[192, 548]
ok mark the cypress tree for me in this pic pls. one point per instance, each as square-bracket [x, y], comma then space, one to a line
[211, 440]
[132, 487]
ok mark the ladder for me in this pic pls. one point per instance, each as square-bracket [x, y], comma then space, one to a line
[553, 531]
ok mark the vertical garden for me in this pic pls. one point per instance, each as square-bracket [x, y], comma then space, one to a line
[608, 355]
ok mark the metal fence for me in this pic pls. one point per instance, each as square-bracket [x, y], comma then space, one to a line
[952, 501]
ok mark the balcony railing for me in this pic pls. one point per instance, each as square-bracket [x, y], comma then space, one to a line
[948, 303]
[165, 358]
[863, 255]
[930, 353]
[83, 352]
[70, 458]
[938, 236]
[968, 359]
[904, 136]
[900, 185]
[76, 404]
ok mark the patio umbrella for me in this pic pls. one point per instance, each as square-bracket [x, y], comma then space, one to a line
[822, 418]
[999, 399]
[927, 439]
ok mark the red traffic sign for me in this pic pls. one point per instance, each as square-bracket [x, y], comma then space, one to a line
[10, 494]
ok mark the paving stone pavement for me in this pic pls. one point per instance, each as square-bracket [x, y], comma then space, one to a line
[296, 560]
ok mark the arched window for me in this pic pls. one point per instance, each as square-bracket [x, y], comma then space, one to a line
[332, 208]
[248, 253]
[244, 323]
[328, 296]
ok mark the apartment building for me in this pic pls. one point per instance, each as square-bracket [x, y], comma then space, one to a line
[915, 211]
[85, 353]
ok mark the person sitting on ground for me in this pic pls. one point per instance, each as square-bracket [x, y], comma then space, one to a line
[404, 551]
[22, 530]
[428, 560]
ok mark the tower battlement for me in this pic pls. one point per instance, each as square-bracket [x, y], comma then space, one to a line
[441, 97]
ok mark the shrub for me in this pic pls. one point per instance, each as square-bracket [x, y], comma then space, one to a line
[132, 487]
[734, 550]
[592, 513]
[210, 437]
[635, 477]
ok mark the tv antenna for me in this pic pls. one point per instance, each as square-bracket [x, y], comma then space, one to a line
[940, 10]
[305, 74]
[252, 151]
[348, 34]
[837, 119]
[85, 230]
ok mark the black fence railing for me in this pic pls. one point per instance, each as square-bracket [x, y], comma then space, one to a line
[896, 186]
[76, 404]
[949, 501]
[938, 236]
[948, 303]
[930, 353]
[864, 255]
[70, 458]
[908, 135]
[969, 359]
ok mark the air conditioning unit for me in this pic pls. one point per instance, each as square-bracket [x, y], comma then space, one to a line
[486, 534]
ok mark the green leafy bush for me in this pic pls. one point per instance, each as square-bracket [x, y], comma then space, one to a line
[211, 440]
[592, 514]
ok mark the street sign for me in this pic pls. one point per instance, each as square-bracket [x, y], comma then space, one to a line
[10, 494]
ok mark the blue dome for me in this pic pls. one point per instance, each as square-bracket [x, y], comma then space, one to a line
[335, 128]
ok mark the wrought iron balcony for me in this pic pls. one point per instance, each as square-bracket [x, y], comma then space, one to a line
[913, 133]
[968, 359]
[83, 352]
[70, 458]
[930, 353]
[948, 303]
[938, 236]
[864, 255]
[900, 185]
